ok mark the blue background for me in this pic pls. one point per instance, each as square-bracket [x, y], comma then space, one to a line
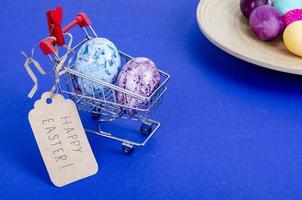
[230, 130]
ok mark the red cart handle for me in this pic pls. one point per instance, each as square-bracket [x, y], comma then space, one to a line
[47, 45]
[54, 18]
[81, 19]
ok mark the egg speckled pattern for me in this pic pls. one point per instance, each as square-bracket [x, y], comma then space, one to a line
[141, 76]
[99, 59]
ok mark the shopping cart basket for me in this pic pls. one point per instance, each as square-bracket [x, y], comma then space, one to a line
[104, 106]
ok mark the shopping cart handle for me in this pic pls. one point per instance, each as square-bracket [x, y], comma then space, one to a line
[54, 18]
[47, 45]
[81, 19]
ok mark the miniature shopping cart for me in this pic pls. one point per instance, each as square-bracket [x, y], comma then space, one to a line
[104, 107]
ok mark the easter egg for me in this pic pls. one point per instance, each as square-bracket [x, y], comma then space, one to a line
[292, 16]
[283, 6]
[99, 59]
[247, 6]
[141, 76]
[266, 22]
[292, 38]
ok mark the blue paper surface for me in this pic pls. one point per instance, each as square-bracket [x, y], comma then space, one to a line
[230, 130]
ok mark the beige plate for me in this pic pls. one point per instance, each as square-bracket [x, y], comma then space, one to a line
[223, 24]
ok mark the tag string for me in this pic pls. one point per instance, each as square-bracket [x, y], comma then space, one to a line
[28, 61]
[58, 67]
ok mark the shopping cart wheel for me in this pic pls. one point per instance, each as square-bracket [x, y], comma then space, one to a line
[127, 148]
[146, 129]
[95, 115]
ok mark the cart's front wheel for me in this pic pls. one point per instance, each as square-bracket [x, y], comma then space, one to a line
[95, 116]
[127, 148]
[146, 129]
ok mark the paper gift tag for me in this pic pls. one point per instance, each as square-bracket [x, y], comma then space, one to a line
[62, 140]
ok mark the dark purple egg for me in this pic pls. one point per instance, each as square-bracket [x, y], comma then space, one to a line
[266, 22]
[247, 6]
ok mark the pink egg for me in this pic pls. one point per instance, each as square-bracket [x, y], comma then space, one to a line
[292, 16]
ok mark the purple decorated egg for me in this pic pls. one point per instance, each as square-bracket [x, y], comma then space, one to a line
[266, 22]
[247, 6]
[141, 76]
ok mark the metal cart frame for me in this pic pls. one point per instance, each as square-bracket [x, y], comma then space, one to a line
[105, 106]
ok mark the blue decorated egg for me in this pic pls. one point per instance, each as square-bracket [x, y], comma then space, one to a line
[283, 6]
[97, 58]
